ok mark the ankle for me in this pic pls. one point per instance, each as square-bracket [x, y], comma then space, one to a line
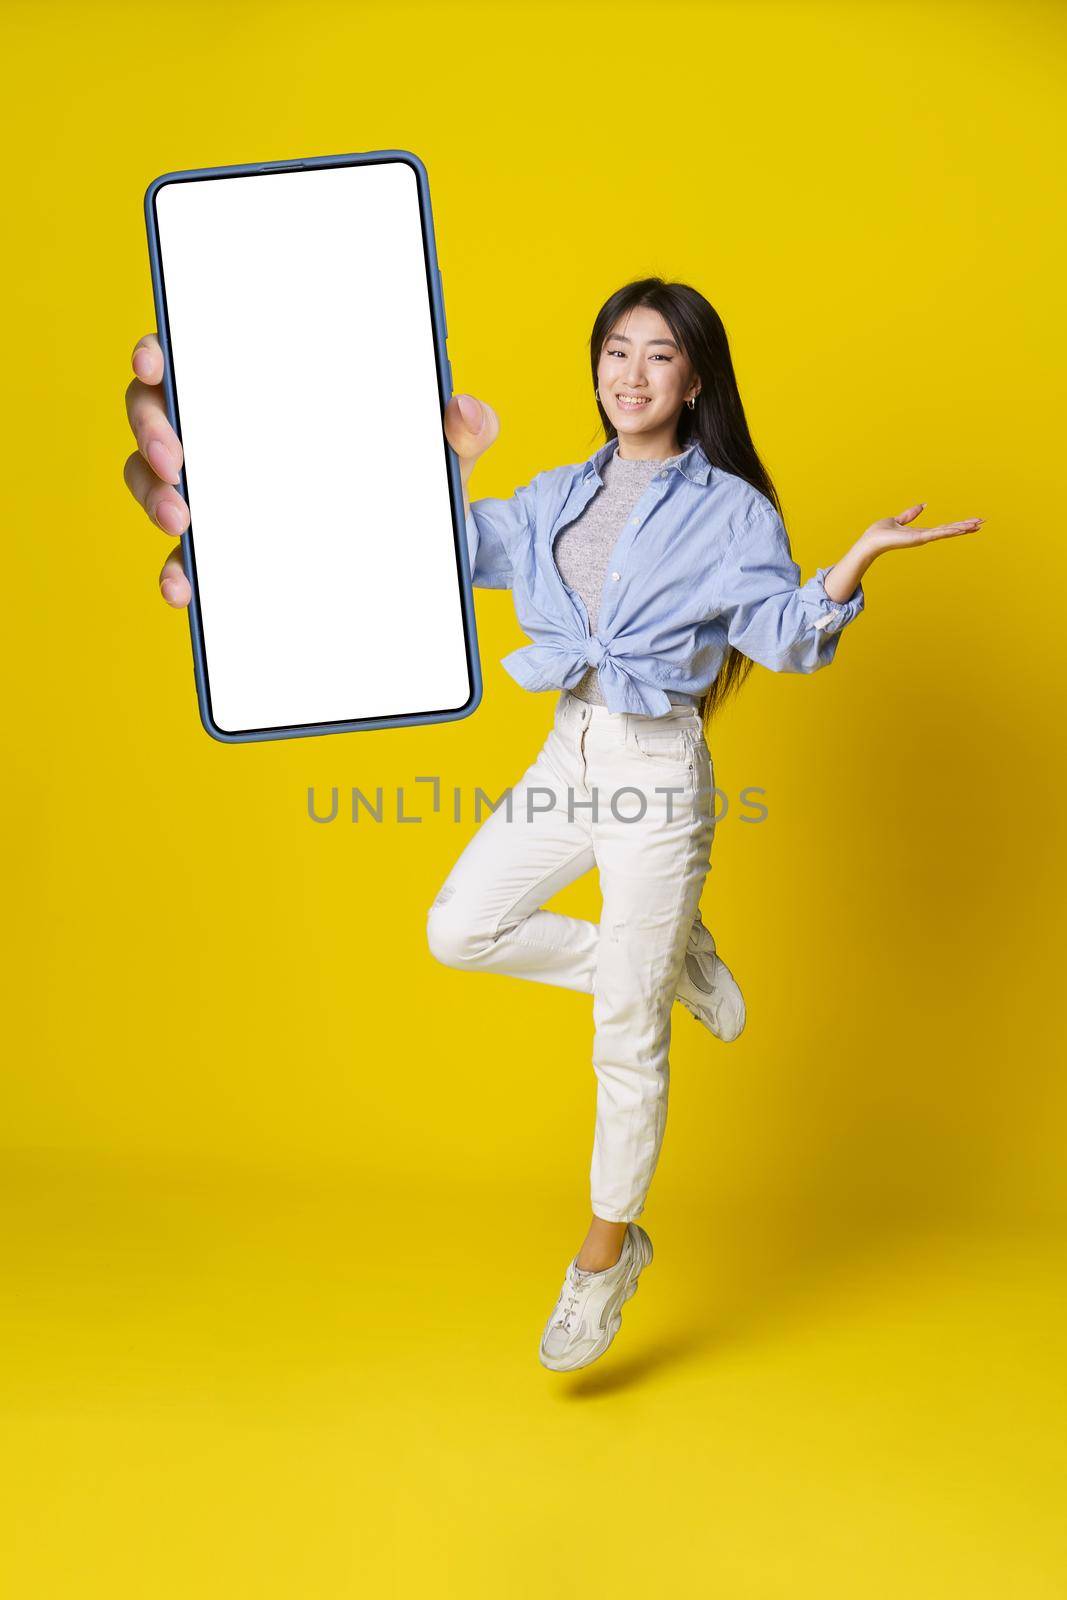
[591, 1261]
[602, 1246]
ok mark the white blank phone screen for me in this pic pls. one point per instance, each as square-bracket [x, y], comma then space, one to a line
[308, 402]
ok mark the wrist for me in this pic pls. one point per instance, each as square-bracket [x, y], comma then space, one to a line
[464, 479]
[868, 546]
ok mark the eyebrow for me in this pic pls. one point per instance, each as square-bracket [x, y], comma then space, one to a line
[625, 340]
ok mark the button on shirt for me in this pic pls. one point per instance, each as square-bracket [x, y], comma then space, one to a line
[704, 564]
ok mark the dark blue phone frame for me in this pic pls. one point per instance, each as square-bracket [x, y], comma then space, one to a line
[444, 379]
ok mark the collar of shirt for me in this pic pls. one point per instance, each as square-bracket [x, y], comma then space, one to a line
[692, 463]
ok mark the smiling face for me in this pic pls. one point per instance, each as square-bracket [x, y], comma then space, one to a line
[641, 359]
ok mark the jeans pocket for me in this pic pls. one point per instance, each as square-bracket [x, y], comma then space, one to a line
[669, 753]
[674, 745]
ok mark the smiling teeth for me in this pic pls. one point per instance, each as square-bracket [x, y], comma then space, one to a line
[625, 400]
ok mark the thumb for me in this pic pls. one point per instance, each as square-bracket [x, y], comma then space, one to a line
[472, 411]
[471, 426]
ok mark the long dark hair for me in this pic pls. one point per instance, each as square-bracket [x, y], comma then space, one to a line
[717, 422]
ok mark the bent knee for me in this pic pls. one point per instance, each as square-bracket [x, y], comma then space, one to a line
[451, 938]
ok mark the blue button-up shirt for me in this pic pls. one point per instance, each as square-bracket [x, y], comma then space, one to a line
[703, 563]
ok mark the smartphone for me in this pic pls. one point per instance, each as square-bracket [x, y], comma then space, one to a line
[300, 309]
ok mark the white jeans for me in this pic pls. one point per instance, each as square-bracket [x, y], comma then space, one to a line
[597, 794]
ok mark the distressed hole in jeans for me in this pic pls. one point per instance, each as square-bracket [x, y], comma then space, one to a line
[446, 893]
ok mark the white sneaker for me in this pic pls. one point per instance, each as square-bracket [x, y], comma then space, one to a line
[707, 988]
[588, 1313]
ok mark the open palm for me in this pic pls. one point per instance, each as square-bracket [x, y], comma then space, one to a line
[895, 533]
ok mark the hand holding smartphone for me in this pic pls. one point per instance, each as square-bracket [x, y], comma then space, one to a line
[295, 425]
[152, 472]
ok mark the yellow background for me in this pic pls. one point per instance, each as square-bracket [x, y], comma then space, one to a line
[287, 1203]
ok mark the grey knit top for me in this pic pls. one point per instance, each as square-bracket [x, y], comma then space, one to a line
[582, 551]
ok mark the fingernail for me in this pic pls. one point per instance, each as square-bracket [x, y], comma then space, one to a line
[171, 517]
[161, 460]
[169, 589]
[471, 412]
[140, 362]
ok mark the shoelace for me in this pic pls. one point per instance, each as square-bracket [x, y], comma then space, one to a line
[573, 1290]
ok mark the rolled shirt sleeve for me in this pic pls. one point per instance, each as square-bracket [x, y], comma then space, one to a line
[496, 529]
[770, 616]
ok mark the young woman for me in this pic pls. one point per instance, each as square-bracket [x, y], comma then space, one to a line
[649, 579]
